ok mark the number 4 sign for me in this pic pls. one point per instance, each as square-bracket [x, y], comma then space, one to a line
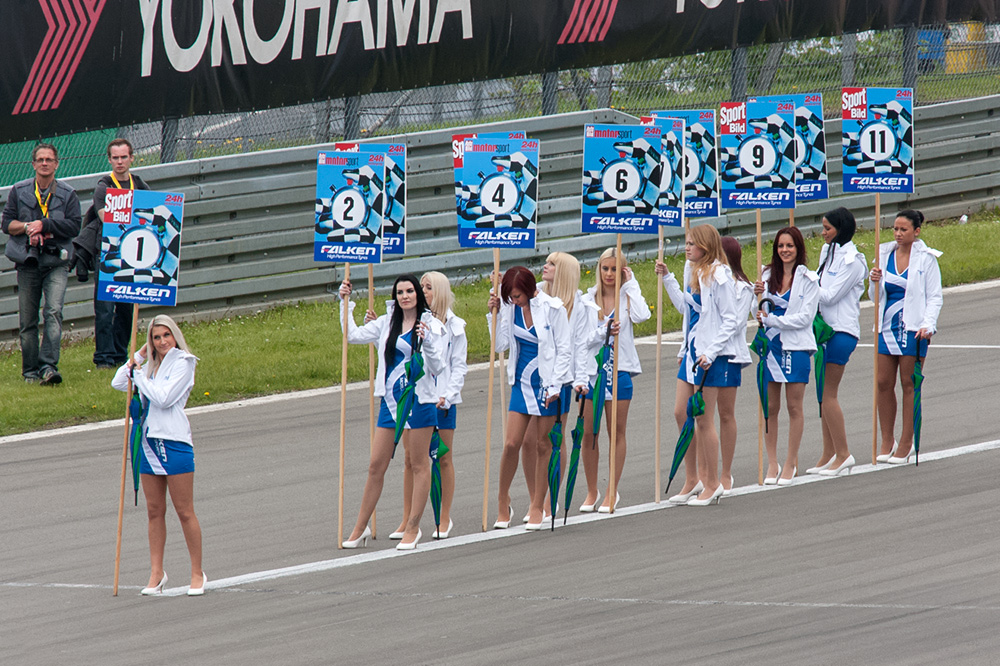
[140, 247]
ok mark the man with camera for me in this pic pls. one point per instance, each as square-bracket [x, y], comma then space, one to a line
[41, 216]
[112, 321]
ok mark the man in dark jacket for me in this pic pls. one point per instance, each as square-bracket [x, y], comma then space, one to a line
[112, 321]
[42, 215]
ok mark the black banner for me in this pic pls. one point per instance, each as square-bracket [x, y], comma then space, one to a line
[70, 65]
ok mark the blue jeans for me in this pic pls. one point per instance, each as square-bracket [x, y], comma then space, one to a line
[32, 284]
[112, 330]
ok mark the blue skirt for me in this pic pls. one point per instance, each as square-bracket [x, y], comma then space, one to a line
[447, 418]
[625, 387]
[533, 405]
[165, 457]
[722, 373]
[902, 343]
[840, 347]
[422, 416]
[787, 367]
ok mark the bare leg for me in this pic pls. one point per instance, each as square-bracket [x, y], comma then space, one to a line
[727, 432]
[407, 488]
[834, 430]
[154, 488]
[447, 476]
[544, 449]
[529, 461]
[708, 443]
[684, 392]
[418, 445]
[516, 425]
[181, 488]
[379, 462]
[887, 368]
[589, 453]
[906, 366]
[620, 445]
[794, 395]
[771, 436]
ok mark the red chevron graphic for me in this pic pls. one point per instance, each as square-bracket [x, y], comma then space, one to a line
[589, 21]
[71, 24]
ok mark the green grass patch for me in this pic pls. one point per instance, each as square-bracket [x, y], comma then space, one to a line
[297, 347]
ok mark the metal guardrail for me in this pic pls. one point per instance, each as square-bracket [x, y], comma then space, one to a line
[247, 237]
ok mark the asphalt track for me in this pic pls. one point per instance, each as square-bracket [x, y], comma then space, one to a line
[887, 566]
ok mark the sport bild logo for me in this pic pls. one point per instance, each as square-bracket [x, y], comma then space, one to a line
[854, 103]
[69, 26]
[589, 21]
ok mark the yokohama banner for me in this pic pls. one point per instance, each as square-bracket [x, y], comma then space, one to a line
[70, 65]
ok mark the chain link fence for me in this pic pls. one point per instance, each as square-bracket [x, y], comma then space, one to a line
[942, 62]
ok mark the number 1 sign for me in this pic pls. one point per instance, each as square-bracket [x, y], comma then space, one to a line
[140, 247]
[878, 139]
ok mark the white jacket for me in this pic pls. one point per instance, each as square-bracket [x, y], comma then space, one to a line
[718, 332]
[840, 287]
[555, 352]
[923, 300]
[166, 393]
[452, 377]
[433, 348]
[796, 325]
[746, 308]
[579, 325]
[636, 311]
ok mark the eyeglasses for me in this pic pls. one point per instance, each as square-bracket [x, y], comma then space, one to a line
[45, 160]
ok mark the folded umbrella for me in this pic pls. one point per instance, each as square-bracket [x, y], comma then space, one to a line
[759, 346]
[574, 458]
[413, 371]
[823, 334]
[918, 412]
[555, 473]
[438, 449]
[695, 407]
[138, 415]
[603, 362]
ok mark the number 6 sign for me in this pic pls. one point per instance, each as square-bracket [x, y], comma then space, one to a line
[621, 178]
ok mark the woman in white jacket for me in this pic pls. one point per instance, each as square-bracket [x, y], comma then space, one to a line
[909, 286]
[711, 327]
[600, 301]
[396, 333]
[534, 327]
[841, 283]
[794, 291]
[163, 373]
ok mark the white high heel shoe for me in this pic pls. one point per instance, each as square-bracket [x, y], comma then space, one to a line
[713, 498]
[362, 540]
[199, 591]
[412, 545]
[732, 484]
[157, 589]
[504, 524]
[786, 482]
[438, 534]
[884, 457]
[819, 469]
[607, 509]
[772, 480]
[895, 460]
[682, 498]
[846, 465]
[589, 508]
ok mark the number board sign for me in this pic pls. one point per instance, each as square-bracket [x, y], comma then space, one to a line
[878, 139]
[140, 247]
[498, 206]
[458, 157]
[757, 154]
[394, 215]
[621, 188]
[701, 169]
[811, 180]
[349, 207]
[671, 204]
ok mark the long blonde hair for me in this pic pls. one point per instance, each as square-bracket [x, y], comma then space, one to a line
[622, 264]
[154, 360]
[441, 297]
[567, 279]
[706, 237]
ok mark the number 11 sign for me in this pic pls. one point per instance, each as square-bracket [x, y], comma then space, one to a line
[140, 247]
[878, 139]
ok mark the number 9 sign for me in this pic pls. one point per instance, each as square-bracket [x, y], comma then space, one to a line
[756, 156]
[140, 247]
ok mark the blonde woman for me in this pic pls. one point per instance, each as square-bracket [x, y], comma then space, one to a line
[163, 374]
[601, 299]
[451, 379]
[711, 324]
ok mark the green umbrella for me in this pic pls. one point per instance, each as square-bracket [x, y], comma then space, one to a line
[438, 449]
[695, 407]
[918, 412]
[823, 333]
[138, 414]
[603, 360]
[574, 458]
[413, 371]
[556, 437]
[759, 346]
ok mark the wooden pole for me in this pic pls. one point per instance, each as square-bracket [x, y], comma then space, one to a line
[125, 447]
[612, 484]
[371, 377]
[878, 228]
[760, 412]
[345, 306]
[659, 342]
[791, 217]
[489, 392]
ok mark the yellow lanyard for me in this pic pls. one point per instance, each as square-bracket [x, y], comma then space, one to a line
[44, 205]
[131, 184]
